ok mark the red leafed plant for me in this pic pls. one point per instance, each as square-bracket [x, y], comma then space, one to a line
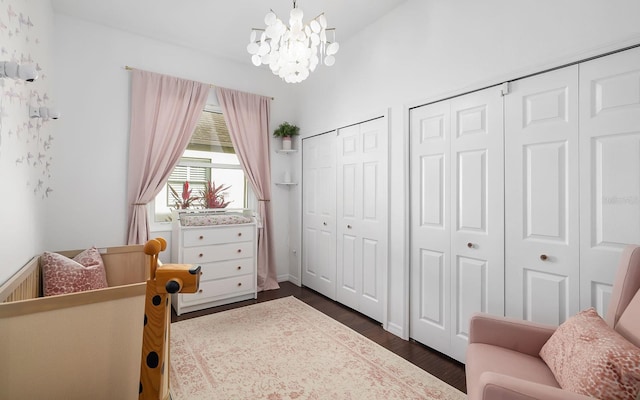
[213, 196]
[186, 200]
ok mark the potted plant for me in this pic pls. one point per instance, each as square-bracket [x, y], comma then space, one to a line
[185, 200]
[286, 131]
[213, 197]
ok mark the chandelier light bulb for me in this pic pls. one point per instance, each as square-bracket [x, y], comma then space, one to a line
[293, 52]
[332, 48]
[270, 18]
[253, 48]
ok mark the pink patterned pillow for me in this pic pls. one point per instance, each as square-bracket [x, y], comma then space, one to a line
[588, 357]
[63, 275]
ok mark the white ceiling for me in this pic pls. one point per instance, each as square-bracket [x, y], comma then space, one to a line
[219, 27]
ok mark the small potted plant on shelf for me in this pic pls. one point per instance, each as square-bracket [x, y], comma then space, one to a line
[185, 200]
[286, 131]
[212, 196]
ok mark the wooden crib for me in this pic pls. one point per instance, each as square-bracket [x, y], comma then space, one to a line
[83, 345]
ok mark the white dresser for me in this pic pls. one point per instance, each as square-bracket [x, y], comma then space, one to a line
[225, 246]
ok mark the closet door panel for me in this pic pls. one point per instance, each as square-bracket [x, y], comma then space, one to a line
[371, 289]
[373, 224]
[477, 204]
[541, 197]
[319, 214]
[471, 287]
[430, 281]
[348, 272]
[349, 264]
[616, 155]
[546, 296]
[610, 169]
[429, 303]
[362, 216]
[545, 190]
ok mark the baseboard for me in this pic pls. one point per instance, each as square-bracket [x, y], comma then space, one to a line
[289, 278]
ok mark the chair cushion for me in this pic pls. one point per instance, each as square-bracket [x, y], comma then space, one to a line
[488, 358]
[588, 357]
[629, 323]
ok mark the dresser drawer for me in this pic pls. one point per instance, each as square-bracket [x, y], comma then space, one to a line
[225, 269]
[227, 234]
[221, 288]
[217, 252]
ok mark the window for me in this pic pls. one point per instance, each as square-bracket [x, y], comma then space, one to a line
[209, 157]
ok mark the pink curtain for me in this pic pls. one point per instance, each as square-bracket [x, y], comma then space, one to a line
[247, 117]
[164, 113]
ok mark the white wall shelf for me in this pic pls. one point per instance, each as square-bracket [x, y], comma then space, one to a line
[287, 151]
[287, 183]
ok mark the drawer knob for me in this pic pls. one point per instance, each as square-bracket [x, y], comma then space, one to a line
[239, 250]
[470, 245]
[201, 273]
[200, 255]
[544, 257]
[239, 283]
[239, 233]
[201, 237]
[239, 267]
[200, 291]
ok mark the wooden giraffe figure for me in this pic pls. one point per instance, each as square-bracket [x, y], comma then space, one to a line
[163, 280]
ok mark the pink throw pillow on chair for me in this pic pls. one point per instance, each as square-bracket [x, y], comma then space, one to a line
[62, 275]
[587, 357]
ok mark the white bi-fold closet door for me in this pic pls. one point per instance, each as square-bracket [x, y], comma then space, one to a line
[572, 185]
[319, 213]
[609, 170]
[571, 198]
[457, 217]
[362, 216]
[345, 215]
[542, 197]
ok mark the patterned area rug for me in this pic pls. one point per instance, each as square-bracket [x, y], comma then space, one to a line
[285, 349]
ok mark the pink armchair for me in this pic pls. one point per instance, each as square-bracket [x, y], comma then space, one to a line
[502, 357]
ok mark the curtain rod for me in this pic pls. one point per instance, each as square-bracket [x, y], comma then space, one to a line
[211, 85]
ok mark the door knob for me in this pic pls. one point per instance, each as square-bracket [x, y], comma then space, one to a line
[544, 257]
[348, 226]
[324, 223]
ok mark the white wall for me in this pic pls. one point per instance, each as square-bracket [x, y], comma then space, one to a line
[428, 49]
[94, 91]
[25, 146]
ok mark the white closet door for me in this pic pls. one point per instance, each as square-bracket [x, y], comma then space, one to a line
[457, 218]
[430, 283]
[362, 210]
[477, 205]
[319, 213]
[542, 206]
[609, 170]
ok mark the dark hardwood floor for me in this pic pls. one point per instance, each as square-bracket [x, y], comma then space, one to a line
[437, 364]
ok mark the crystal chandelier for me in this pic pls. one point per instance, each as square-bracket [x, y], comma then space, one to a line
[295, 51]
